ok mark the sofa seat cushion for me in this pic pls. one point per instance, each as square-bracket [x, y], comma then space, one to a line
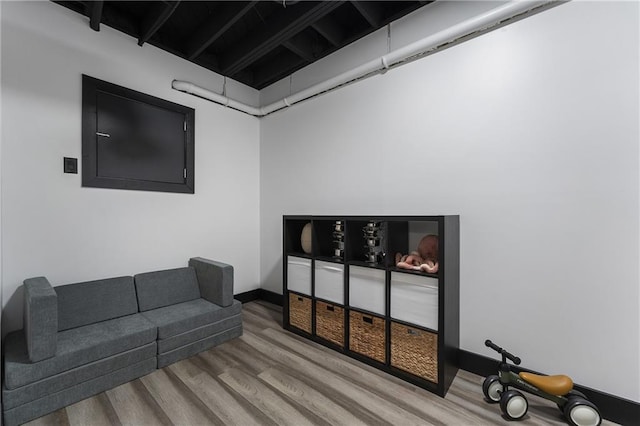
[76, 347]
[178, 340]
[198, 346]
[186, 316]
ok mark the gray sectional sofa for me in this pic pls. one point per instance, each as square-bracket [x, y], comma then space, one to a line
[82, 339]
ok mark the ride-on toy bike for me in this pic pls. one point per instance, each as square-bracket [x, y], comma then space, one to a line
[577, 409]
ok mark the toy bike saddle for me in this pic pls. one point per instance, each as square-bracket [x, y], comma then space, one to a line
[555, 385]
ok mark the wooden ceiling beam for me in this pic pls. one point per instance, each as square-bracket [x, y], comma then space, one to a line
[331, 32]
[302, 45]
[298, 50]
[275, 32]
[219, 23]
[370, 12]
[277, 69]
[155, 19]
[95, 14]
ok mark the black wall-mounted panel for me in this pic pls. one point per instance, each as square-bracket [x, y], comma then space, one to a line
[131, 140]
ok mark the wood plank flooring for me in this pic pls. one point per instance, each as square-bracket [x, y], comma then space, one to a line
[272, 377]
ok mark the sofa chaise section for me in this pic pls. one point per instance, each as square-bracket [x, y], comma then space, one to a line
[193, 308]
[99, 341]
[70, 395]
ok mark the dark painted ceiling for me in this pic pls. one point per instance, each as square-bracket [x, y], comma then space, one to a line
[254, 42]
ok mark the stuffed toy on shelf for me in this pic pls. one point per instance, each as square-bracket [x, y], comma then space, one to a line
[424, 259]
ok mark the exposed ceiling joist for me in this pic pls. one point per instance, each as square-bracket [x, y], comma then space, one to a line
[253, 42]
[95, 14]
[276, 31]
[298, 50]
[369, 11]
[155, 20]
[220, 23]
[302, 45]
[267, 72]
[333, 33]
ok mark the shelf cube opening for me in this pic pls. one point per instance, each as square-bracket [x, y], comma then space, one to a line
[293, 236]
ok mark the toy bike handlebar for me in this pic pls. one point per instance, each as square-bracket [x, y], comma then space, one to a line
[502, 352]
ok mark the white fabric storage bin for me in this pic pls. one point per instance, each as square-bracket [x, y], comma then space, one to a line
[414, 299]
[329, 281]
[299, 274]
[366, 289]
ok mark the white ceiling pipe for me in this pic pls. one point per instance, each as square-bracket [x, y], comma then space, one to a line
[191, 88]
[332, 83]
[464, 29]
[428, 44]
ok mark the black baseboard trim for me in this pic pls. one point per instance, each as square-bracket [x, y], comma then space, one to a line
[271, 297]
[248, 296]
[259, 294]
[613, 408]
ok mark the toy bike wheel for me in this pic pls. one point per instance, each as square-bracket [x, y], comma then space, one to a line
[571, 395]
[492, 388]
[582, 412]
[513, 404]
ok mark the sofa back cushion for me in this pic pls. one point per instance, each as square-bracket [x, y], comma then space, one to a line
[164, 288]
[94, 301]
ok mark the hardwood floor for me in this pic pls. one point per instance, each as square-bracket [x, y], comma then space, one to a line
[272, 377]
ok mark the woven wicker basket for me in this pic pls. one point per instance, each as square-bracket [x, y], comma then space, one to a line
[330, 322]
[415, 351]
[367, 335]
[300, 312]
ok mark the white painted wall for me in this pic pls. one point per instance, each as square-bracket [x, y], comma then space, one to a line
[529, 133]
[54, 227]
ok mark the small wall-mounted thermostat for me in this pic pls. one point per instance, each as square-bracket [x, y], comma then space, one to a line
[70, 165]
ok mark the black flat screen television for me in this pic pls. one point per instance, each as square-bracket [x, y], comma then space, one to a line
[131, 140]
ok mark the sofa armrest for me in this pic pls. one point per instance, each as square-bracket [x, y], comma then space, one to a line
[215, 280]
[40, 318]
